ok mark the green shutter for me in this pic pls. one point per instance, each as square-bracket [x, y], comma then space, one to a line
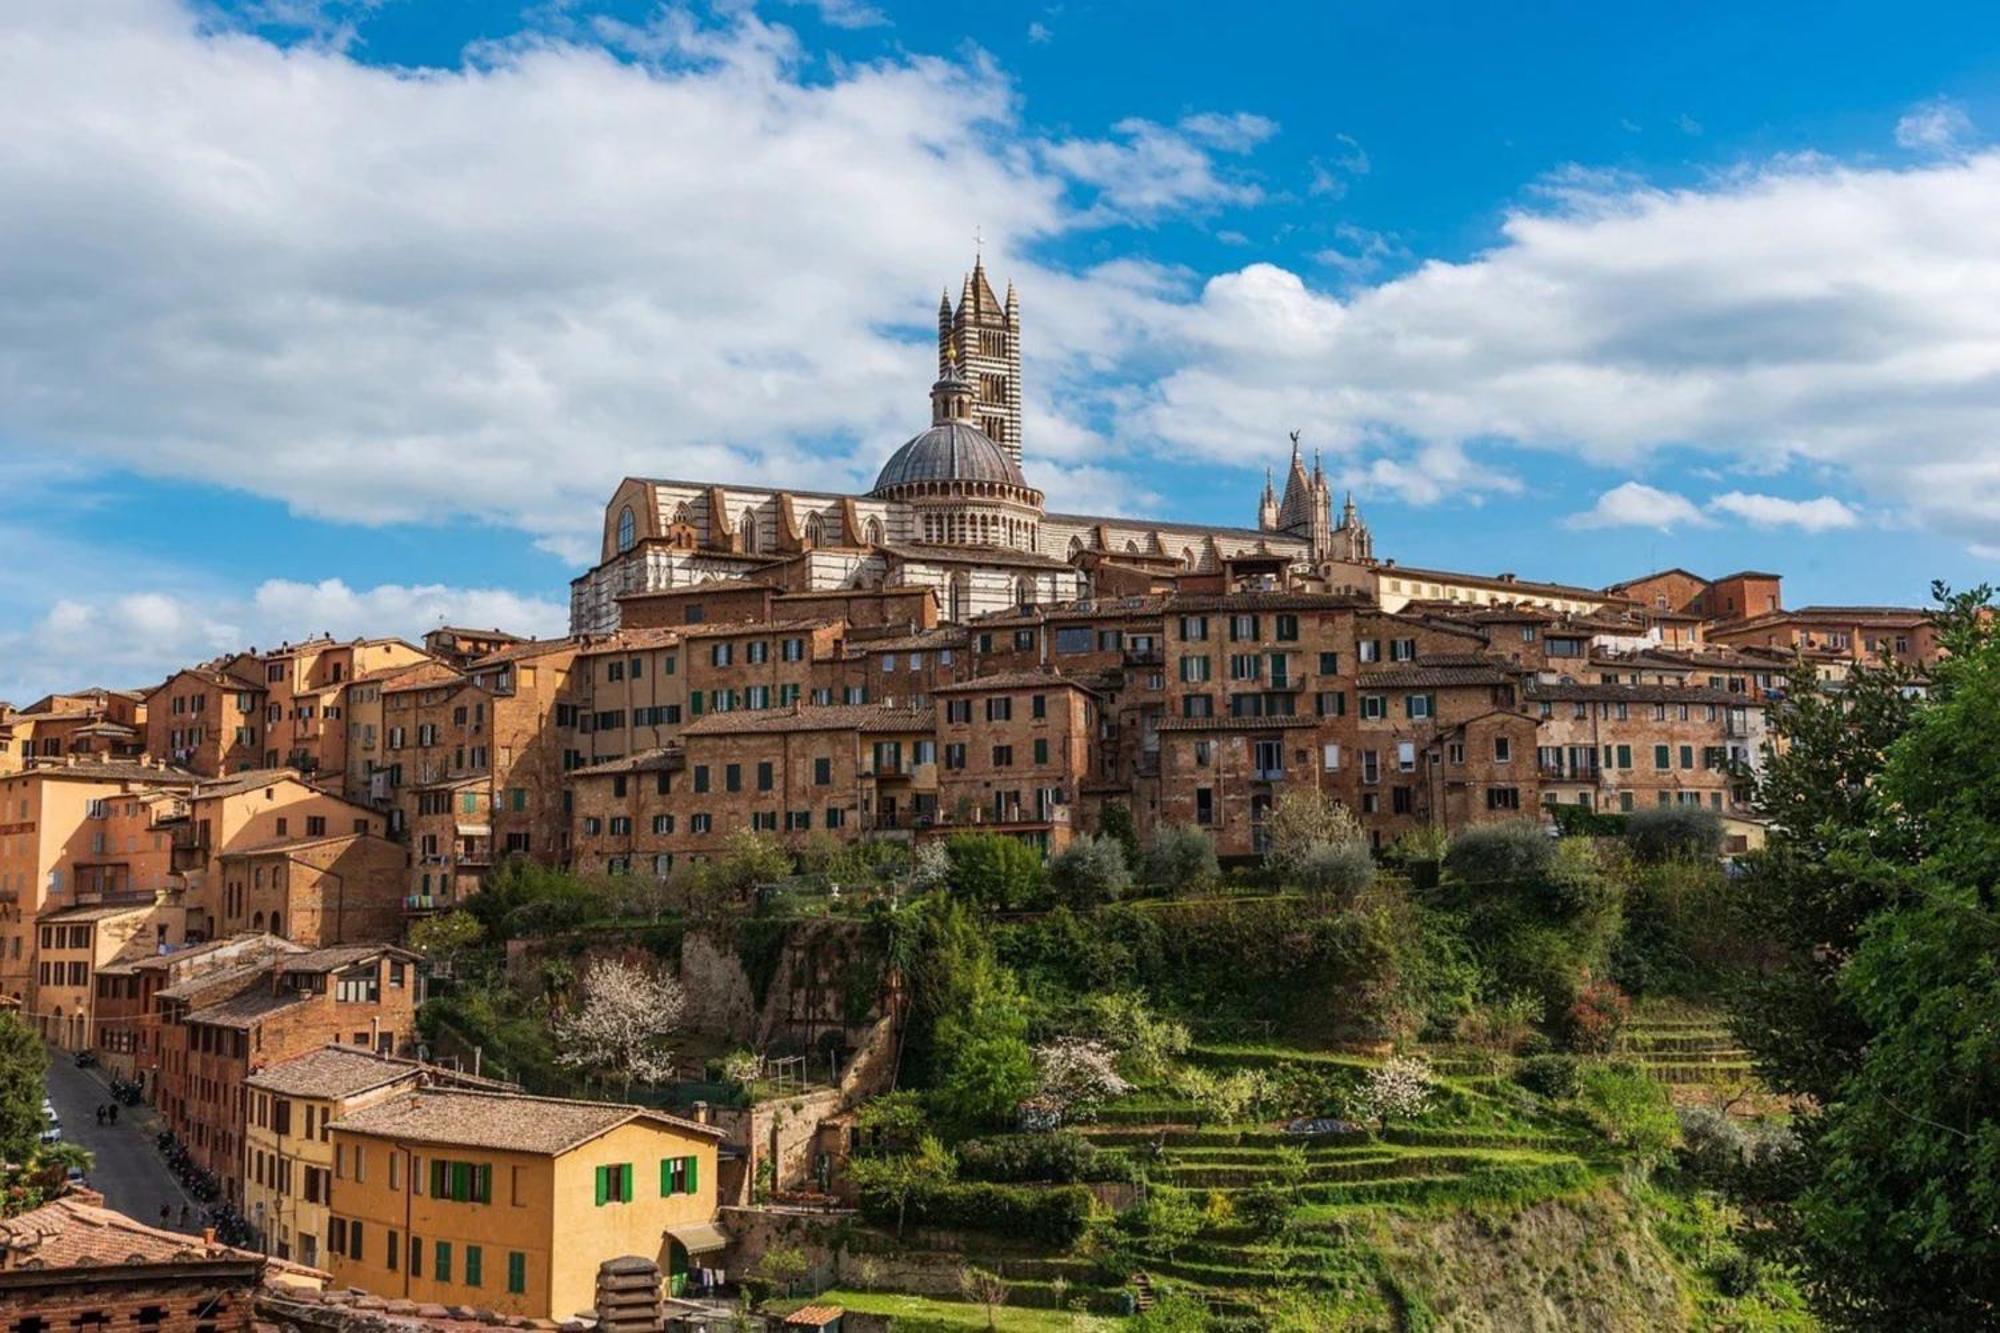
[625, 1191]
[441, 1271]
[438, 1188]
[693, 1186]
[517, 1272]
[603, 1185]
[482, 1183]
[461, 1182]
[474, 1262]
[666, 1176]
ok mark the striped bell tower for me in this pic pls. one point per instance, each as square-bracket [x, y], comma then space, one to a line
[982, 338]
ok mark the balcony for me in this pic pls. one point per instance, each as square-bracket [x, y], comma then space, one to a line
[1145, 657]
[1267, 774]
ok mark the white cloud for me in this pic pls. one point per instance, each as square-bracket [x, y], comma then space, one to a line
[1039, 32]
[1798, 312]
[1823, 514]
[132, 640]
[1939, 125]
[1637, 505]
[1148, 169]
[388, 295]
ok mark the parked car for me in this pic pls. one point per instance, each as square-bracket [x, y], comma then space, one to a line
[85, 1059]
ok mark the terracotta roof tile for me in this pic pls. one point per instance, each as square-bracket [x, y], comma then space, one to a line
[827, 717]
[72, 1232]
[506, 1121]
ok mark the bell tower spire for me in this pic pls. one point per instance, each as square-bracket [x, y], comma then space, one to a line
[983, 339]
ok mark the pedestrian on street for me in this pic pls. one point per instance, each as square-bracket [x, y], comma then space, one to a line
[100, 1114]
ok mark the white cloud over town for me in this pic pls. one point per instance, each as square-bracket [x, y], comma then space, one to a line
[1637, 505]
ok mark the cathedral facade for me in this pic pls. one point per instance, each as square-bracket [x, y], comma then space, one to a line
[952, 511]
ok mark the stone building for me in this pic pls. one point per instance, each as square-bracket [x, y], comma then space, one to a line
[320, 890]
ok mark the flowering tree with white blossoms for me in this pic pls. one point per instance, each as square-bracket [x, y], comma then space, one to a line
[1400, 1087]
[623, 1023]
[1074, 1076]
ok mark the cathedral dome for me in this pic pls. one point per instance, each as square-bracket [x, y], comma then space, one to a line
[950, 451]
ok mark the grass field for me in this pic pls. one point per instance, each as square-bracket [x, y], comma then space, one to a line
[959, 1314]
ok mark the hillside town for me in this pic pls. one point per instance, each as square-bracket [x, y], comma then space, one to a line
[230, 896]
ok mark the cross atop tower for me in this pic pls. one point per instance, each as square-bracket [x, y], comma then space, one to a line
[982, 337]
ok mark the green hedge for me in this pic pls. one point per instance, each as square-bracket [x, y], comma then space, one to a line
[1063, 1158]
[1053, 1216]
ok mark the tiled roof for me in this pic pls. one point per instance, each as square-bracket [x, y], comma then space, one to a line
[114, 770]
[478, 633]
[927, 641]
[1656, 574]
[253, 779]
[74, 1232]
[1184, 529]
[815, 1316]
[1747, 574]
[413, 676]
[1419, 675]
[731, 629]
[262, 946]
[341, 955]
[667, 758]
[1902, 614]
[526, 648]
[1236, 723]
[702, 588]
[1651, 694]
[333, 1071]
[512, 1122]
[827, 717]
[97, 912]
[297, 844]
[1014, 680]
[245, 1010]
[629, 640]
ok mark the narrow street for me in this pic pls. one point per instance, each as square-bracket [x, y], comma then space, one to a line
[128, 1170]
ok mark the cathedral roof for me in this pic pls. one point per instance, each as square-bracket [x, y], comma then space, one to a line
[950, 451]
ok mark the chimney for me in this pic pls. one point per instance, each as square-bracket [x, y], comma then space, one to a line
[208, 1235]
[701, 1113]
[628, 1296]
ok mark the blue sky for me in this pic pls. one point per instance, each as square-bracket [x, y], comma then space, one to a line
[348, 316]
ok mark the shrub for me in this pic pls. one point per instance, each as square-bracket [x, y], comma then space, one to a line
[1400, 1087]
[1267, 1207]
[930, 866]
[1335, 872]
[1301, 821]
[748, 860]
[1146, 1044]
[1503, 1025]
[1181, 859]
[1726, 1154]
[1167, 1220]
[1592, 1023]
[1673, 833]
[1090, 872]
[1515, 851]
[993, 870]
[1556, 1077]
[1629, 1109]
[1063, 1158]
[1050, 1216]
[1114, 821]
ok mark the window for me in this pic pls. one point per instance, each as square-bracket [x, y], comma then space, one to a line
[1074, 639]
[1204, 805]
[1687, 756]
[1194, 629]
[1197, 705]
[958, 710]
[1330, 703]
[1038, 705]
[1330, 757]
[679, 1175]
[1041, 752]
[1663, 756]
[461, 1182]
[1194, 669]
[1287, 629]
[1000, 709]
[764, 775]
[732, 777]
[1329, 664]
[1003, 756]
[701, 823]
[1242, 629]
[1503, 750]
[517, 1272]
[1402, 650]
[614, 1184]
[1269, 759]
[1503, 798]
[1419, 705]
[1374, 705]
[1368, 650]
[441, 1270]
[1246, 666]
[474, 1264]
[1406, 756]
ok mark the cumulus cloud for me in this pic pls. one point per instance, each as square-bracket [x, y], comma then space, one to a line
[132, 640]
[1939, 125]
[1796, 312]
[385, 295]
[1824, 514]
[1637, 505]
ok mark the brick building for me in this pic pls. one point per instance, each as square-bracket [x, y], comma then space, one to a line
[1014, 751]
[219, 1029]
[320, 890]
[73, 947]
[127, 1017]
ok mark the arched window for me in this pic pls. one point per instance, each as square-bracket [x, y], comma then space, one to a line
[1188, 558]
[815, 530]
[749, 528]
[276, 927]
[961, 596]
[1075, 547]
[1131, 547]
[628, 528]
[257, 922]
[1024, 591]
[873, 532]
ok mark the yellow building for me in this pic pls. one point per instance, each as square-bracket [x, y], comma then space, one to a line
[288, 1143]
[459, 1197]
